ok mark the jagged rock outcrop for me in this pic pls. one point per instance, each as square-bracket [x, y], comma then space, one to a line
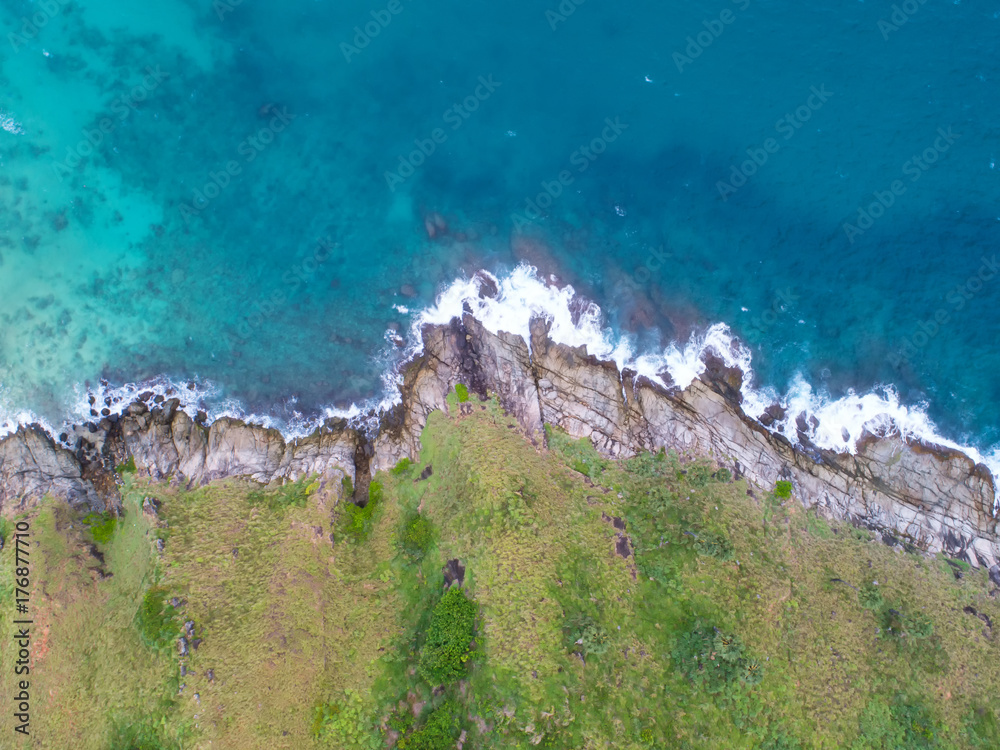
[31, 465]
[931, 497]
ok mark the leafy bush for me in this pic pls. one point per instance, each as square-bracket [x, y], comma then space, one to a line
[356, 522]
[894, 620]
[724, 475]
[401, 468]
[901, 724]
[439, 732]
[449, 638]
[126, 468]
[585, 636]
[462, 392]
[871, 597]
[156, 619]
[347, 724]
[698, 474]
[982, 729]
[713, 660]
[714, 545]
[141, 734]
[101, 525]
[346, 487]
[650, 465]
[783, 489]
[901, 624]
[417, 536]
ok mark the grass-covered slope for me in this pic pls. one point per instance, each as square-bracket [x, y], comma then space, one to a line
[595, 604]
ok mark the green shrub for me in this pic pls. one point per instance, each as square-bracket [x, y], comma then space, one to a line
[401, 468]
[698, 474]
[462, 392]
[584, 636]
[650, 465]
[714, 661]
[143, 733]
[982, 729]
[347, 724]
[418, 534]
[127, 468]
[901, 724]
[101, 525]
[356, 522]
[449, 638]
[346, 487]
[439, 732]
[724, 475]
[870, 597]
[783, 489]
[401, 720]
[901, 624]
[156, 619]
[714, 545]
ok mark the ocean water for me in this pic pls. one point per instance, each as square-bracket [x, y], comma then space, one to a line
[255, 202]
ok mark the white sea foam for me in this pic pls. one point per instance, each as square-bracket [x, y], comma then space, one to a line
[522, 295]
[841, 421]
[8, 123]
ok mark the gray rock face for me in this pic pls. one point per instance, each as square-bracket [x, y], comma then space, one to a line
[31, 465]
[932, 497]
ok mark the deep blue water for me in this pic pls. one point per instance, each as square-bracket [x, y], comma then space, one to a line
[123, 259]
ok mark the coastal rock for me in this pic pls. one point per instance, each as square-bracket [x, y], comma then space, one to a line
[32, 465]
[236, 449]
[579, 393]
[933, 498]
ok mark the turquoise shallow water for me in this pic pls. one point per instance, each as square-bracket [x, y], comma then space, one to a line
[204, 191]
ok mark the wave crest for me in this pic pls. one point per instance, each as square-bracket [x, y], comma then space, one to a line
[509, 303]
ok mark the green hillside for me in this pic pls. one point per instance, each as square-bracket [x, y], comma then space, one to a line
[649, 603]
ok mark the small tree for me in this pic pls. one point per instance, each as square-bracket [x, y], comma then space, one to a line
[449, 638]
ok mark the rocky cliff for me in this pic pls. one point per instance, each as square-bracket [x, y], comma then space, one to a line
[914, 493]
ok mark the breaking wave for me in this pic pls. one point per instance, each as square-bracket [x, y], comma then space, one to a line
[509, 305]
